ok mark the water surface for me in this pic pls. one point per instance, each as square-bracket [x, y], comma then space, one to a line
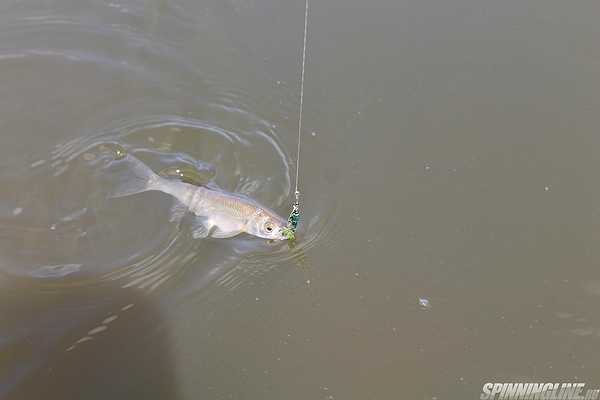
[449, 187]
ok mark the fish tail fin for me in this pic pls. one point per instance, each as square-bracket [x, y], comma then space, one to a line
[137, 178]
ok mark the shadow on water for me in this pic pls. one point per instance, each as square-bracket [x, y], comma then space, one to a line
[94, 343]
[93, 346]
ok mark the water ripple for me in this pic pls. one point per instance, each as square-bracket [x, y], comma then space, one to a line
[62, 197]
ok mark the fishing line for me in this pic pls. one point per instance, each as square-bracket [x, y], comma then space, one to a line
[294, 217]
[301, 95]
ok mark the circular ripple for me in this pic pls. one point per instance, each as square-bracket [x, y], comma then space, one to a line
[133, 94]
[76, 93]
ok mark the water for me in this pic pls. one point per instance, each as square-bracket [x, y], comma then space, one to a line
[449, 187]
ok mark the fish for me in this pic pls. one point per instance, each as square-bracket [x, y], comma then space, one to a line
[217, 213]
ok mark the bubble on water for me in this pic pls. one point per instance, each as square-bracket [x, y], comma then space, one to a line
[424, 303]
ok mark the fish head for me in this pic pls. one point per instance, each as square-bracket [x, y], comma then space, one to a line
[267, 225]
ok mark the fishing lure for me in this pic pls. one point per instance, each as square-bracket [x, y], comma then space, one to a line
[293, 220]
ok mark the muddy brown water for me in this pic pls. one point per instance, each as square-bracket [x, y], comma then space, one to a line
[451, 200]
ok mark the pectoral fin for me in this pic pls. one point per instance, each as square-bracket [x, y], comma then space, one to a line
[200, 228]
[203, 227]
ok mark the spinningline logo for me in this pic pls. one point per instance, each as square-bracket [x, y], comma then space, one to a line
[538, 391]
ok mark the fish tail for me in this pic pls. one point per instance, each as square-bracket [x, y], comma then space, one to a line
[137, 178]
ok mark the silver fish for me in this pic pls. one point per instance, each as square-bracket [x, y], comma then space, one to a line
[217, 213]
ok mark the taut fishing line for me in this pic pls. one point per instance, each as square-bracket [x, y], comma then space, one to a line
[294, 217]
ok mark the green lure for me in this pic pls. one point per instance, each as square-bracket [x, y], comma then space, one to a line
[293, 220]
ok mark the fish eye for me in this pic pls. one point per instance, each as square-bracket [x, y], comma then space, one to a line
[269, 227]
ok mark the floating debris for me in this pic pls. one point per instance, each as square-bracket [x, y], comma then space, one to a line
[424, 303]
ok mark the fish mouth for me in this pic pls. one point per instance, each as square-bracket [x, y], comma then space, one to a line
[278, 237]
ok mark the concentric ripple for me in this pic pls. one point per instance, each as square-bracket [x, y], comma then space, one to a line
[131, 94]
[81, 87]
